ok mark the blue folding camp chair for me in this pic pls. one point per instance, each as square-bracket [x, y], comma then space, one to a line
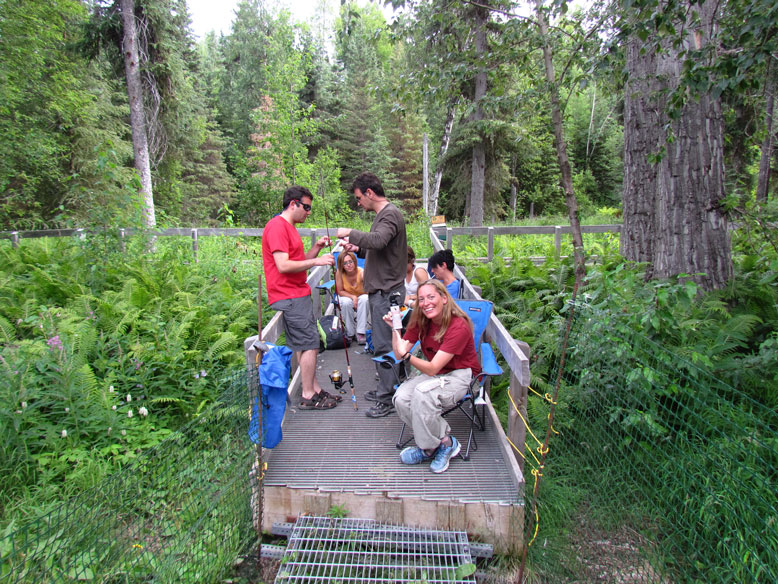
[473, 404]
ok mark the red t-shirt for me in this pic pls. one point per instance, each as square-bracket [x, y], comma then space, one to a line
[280, 235]
[458, 340]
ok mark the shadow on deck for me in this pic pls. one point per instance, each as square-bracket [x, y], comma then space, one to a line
[340, 457]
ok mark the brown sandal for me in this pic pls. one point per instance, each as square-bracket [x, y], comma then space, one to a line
[318, 402]
[325, 394]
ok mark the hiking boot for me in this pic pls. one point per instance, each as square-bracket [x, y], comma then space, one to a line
[414, 455]
[443, 455]
[379, 410]
[371, 395]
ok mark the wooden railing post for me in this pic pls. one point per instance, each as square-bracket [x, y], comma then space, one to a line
[194, 245]
[490, 249]
[122, 240]
[517, 430]
[449, 237]
[14, 239]
[558, 239]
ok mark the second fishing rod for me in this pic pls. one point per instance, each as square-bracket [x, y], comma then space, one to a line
[338, 311]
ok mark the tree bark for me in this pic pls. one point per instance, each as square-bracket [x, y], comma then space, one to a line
[763, 182]
[566, 174]
[673, 190]
[479, 148]
[140, 143]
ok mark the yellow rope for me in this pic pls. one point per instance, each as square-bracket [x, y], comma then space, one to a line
[526, 424]
[546, 396]
[521, 453]
[536, 474]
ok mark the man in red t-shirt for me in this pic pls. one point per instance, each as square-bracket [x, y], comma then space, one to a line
[286, 265]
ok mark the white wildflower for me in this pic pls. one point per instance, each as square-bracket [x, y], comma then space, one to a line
[113, 408]
[143, 411]
[196, 375]
[202, 373]
[24, 405]
[67, 410]
[129, 413]
[18, 411]
[110, 389]
[124, 432]
[129, 398]
[109, 429]
[64, 433]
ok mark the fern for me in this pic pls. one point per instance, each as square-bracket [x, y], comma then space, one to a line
[227, 341]
[7, 330]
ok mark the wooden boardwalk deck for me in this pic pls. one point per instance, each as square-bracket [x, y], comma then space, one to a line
[340, 457]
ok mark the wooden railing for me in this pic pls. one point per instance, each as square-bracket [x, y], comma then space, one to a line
[447, 233]
[194, 233]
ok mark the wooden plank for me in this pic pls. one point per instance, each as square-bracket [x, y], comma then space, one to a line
[389, 511]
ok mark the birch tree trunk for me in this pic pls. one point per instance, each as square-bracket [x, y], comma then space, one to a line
[673, 190]
[763, 182]
[140, 143]
[433, 200]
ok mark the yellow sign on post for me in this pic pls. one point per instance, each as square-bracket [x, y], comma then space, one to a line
[438, 220]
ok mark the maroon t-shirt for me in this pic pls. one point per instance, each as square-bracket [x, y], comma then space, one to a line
[457, 340]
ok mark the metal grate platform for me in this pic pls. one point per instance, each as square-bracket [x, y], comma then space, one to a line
[340, 550]
[343, 450]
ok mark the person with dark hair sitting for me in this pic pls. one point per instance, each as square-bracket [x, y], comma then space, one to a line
[441, 267]
[445, 333]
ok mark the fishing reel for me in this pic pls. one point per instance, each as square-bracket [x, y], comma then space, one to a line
[337, 380]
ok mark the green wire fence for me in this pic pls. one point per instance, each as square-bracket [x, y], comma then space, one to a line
[656, 471]
[180, 513]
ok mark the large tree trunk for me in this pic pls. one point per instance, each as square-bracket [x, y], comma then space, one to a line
[673, 218]
[566, 173]
[479, 148]
[140, 143]
[763, 182]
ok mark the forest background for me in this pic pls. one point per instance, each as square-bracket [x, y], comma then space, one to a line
[530, 113]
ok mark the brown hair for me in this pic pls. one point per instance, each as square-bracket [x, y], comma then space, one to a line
[342, 258]
[450, 310]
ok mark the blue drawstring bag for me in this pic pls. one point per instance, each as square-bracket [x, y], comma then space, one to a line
[274, 382]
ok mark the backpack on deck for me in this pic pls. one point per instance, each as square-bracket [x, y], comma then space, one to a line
[331, 338]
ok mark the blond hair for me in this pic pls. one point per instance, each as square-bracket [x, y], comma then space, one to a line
[450, 310]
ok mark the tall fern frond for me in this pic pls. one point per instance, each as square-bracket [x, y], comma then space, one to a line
[227, 341]
[240, 309]
[7, 331]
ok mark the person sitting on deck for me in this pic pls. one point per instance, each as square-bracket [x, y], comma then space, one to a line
[349, 285]
[413, 277]
[445, 333]
[441, 266]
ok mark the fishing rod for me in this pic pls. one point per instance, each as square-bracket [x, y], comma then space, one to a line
[338, 311]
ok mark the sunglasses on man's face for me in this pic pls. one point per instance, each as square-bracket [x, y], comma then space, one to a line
[305, 206]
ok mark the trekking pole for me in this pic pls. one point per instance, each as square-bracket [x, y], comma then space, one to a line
[337, 304]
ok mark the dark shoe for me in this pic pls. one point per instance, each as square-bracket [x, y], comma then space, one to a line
[371, 395]
[324, 394]
[317, 402]
[379, 410]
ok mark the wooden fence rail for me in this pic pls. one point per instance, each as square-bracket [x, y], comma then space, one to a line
[447, 233]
